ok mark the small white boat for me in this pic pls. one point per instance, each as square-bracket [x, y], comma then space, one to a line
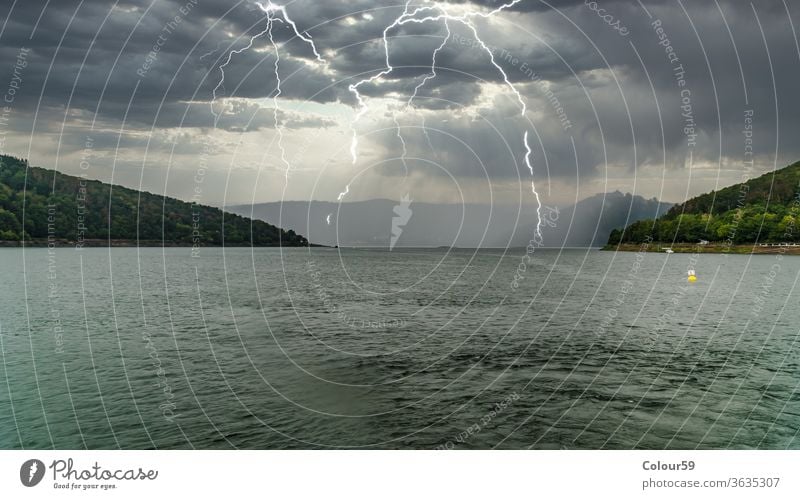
[668, 251]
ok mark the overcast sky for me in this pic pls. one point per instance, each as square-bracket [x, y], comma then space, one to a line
[648, 97]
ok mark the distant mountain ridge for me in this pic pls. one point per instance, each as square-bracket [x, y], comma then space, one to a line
[371, 223]
[67, 208]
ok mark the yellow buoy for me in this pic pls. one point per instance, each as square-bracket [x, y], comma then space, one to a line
[692, 276]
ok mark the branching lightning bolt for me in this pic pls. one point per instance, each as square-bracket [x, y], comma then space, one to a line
[438, 12]
[276, 94]
[271, 10]
[362, 106]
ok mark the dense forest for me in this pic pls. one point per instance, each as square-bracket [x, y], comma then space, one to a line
[68, 208]
[761, 210]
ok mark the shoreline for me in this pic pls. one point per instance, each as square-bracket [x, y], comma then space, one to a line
[133, 243]
[715, 248]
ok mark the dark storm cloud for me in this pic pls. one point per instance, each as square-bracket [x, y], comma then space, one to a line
[94, 56]
[90, 57]
[630, 112]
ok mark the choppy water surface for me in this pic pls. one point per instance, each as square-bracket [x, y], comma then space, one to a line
[298, 348]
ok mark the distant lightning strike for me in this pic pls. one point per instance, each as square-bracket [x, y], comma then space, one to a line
[404, 156]
[433, 73]
[271, 10]
[276, 94]
[402, 141]
[439, 13]
[430, 76]
[533, 186]
[362, 106]
[345, 193]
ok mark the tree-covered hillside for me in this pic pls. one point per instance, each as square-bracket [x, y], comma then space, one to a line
[70, 208]
[760, 210]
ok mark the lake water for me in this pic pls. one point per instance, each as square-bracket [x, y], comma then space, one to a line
[308, 348]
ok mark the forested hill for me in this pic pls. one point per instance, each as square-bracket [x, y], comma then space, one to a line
[760, 210]
[67, 208]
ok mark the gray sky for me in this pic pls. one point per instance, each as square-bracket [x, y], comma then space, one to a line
[606, 107]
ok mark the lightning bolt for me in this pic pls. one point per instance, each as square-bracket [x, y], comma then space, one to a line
[430, 76]
[437, 12]
[404, 155]
[362, 106]
[212, 52]
[345, 193]
[533, 186]
[271, 10]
